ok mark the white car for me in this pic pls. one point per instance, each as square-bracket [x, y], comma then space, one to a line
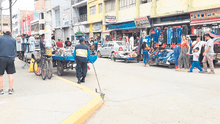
[110, 47]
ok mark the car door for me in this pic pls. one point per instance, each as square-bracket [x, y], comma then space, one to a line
[103, 49]
[109, 48]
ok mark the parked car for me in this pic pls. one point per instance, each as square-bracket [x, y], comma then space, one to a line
[33, 49]
[110, 47]
[217, 49]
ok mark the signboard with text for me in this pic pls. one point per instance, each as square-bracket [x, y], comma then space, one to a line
[142, 22]
[110, 19]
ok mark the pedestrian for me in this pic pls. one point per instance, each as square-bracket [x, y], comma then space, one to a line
[198, 43]
[68, 43]
[145, 48]
[42, 44]
[195, 60]
[184, 55]
[7, 58]
[81, 55]
[208, 54]
[96, 44]
[59, 43]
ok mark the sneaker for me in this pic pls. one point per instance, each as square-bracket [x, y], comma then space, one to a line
[189, 71]
[203, 72]
[10, 91]
[1, 92]
[211, 72]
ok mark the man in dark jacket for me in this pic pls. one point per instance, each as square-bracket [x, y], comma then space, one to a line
[7, 58]
[81, 55]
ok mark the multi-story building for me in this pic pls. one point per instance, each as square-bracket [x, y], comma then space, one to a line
[26, 19]
[6, 21]
[61, 19]
[79, 19]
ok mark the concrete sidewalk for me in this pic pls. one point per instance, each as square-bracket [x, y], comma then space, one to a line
[37, 101]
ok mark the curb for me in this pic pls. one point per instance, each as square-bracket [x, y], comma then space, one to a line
[86, 111]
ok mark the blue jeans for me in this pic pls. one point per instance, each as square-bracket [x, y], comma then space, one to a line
[169, 35]
[179, 32]
[177, 51]
[195, 64]
[146, 56]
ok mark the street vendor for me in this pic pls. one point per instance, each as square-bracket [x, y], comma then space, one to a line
[81, 55]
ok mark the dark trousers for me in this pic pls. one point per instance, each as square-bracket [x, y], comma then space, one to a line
[81, 69]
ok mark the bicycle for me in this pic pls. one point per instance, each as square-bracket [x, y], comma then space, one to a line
[44, 67]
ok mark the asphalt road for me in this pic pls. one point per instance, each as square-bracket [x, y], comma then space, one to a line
[135, 94]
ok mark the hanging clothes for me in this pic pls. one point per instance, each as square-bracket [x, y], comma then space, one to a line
[174, 37]
[179, 32]
[185, 30]
[169, 35]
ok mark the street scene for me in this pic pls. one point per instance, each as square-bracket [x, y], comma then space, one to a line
[110, 61]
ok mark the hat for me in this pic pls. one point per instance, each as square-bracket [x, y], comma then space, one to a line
[6, 30]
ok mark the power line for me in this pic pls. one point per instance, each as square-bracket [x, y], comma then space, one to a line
[9, 7]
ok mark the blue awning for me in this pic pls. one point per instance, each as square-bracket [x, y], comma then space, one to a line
[126, 26]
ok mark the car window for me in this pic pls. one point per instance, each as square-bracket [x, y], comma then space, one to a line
[121, 43]
[105, 45]
[110, 45]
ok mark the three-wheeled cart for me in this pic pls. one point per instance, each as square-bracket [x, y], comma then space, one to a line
[64, 62]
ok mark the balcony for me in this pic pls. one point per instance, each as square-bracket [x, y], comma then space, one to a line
[78, 3]
[81, 18]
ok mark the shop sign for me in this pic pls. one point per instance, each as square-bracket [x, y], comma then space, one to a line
[205, 14]
[97, 27]
[110, 19]
[142, 22]
[65, 19]
[130, 31]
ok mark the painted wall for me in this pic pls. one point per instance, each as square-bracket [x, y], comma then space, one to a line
[39, 5]
[126, 14]
[145, 9]
[204, 4]
[164, 6]
[98, 16]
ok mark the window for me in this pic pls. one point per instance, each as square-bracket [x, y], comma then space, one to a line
[100, 8]
[57, 17]
[123, 4]
[92, 10]
[110, 6]
[41, 26]
[41, 15]
[146, 1]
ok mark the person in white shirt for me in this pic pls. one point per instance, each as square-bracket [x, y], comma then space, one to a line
[198, 43]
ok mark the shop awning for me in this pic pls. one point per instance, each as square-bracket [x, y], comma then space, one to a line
[172, 23]
[126, 26]
[205, 23]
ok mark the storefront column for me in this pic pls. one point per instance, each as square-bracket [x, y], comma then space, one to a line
[91, 31]
[138, 2]
[154, 5]
[117, 9]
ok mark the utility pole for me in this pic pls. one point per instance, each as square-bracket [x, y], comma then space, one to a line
[10, 3]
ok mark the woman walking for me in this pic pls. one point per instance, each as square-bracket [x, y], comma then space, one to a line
[145, 48]
[184, 55]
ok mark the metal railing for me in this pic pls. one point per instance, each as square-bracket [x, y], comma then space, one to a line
[81, 18]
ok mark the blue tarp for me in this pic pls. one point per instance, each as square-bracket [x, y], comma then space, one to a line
[126, 26]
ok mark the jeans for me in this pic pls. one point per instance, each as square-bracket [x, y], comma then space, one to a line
[174, 39]
[179, 32]
[157, 32]
[146, 56]
[177, 51]
[169, 35]
[195, 64]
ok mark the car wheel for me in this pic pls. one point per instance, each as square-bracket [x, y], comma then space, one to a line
[99, 54]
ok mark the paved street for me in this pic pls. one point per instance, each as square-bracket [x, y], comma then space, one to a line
[153, 95]
[39, 102]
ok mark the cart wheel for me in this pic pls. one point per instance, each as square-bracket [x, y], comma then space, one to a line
[37, 67]
[50, 70]
[44, 70]
[126, 60]
[60, 68]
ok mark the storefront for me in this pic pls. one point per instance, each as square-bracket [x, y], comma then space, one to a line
[81, 31]
[96, 30]
[204, 21]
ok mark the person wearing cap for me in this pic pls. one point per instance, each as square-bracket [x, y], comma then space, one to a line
[195, 60]
[81, 55]
[59, 43]
[7, 58]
